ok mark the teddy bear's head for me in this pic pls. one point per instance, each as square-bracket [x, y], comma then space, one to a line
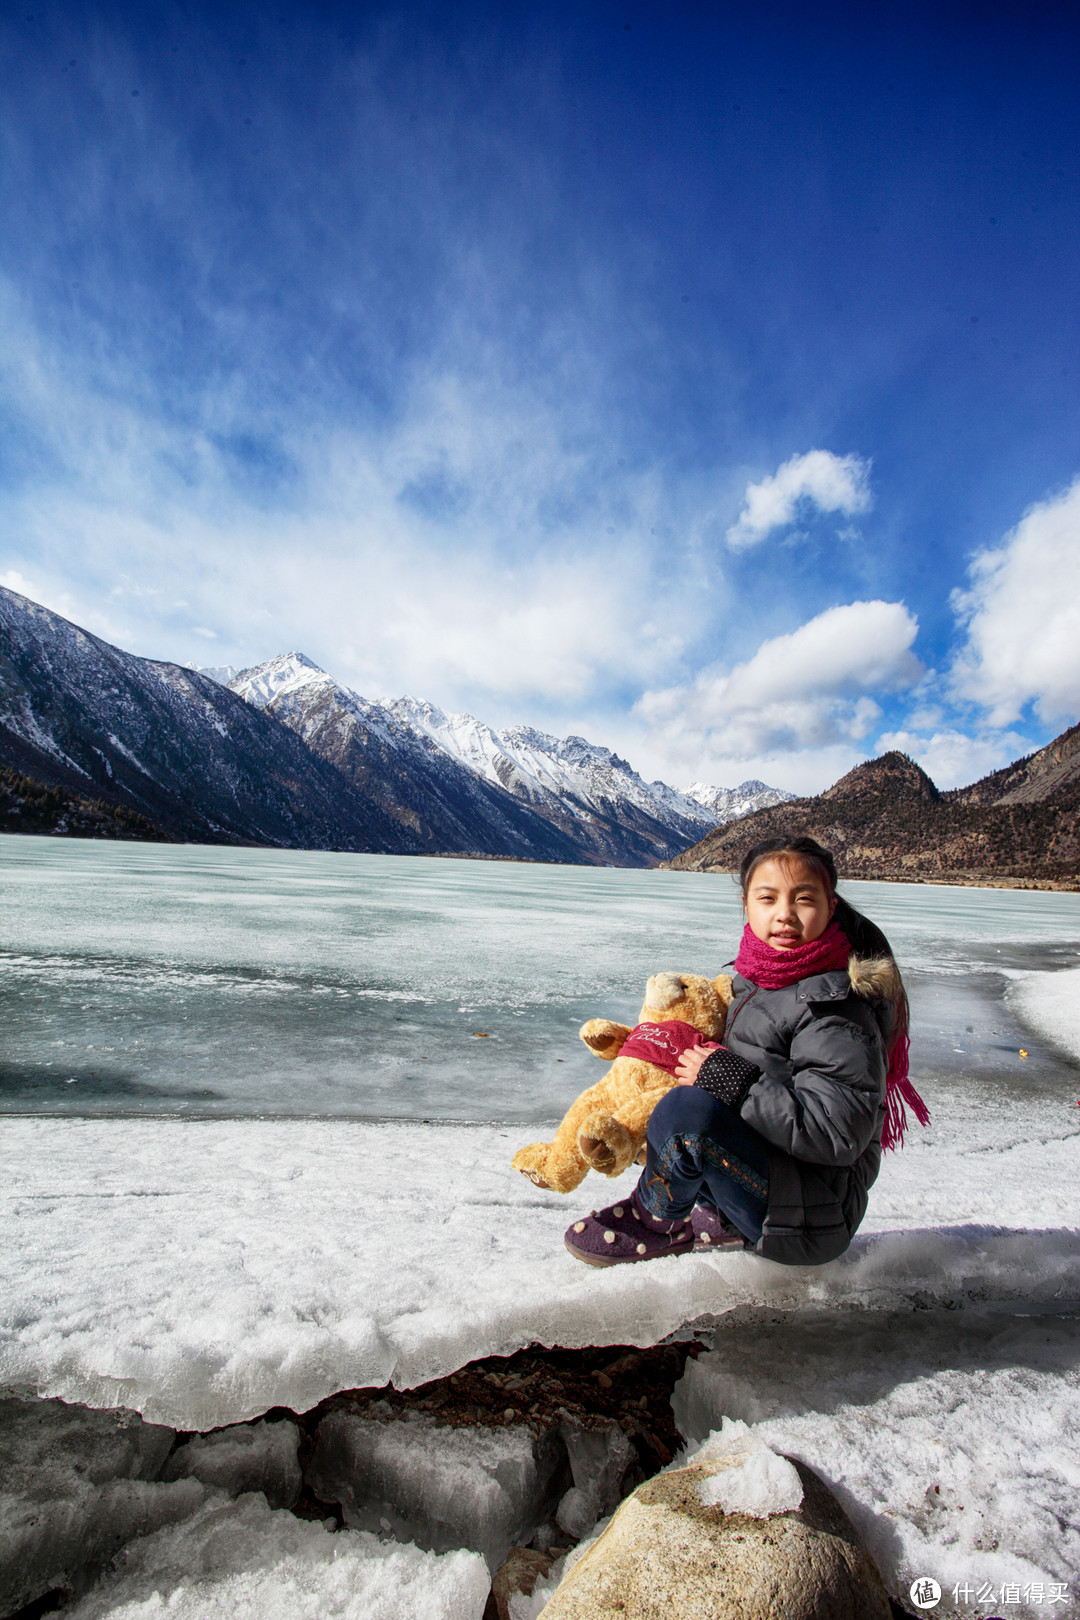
[690, 999]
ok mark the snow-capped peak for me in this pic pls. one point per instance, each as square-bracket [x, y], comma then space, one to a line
[728, 804]
[289, 672]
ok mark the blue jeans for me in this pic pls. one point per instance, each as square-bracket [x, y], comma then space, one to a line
[698, 1150]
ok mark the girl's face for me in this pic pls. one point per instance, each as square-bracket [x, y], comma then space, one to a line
[787, 903]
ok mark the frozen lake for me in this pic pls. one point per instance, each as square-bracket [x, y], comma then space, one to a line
[192, 981]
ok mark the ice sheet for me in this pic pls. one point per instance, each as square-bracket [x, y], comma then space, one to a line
[199, 981]
[76, 1485]
[1050, 1003]
[251, 1457]
[948, 1437]
[202, 1273]
[243, 1561]
[441, 1487]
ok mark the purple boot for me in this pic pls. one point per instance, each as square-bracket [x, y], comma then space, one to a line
[626, 1232]
[712, 1230]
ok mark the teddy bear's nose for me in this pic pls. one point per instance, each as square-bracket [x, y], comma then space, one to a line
[664, 990]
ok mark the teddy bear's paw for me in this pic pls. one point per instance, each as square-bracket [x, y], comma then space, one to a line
[530, 1161]
[605, 1144]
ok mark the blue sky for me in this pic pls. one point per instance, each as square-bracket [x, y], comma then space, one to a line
[703, 379]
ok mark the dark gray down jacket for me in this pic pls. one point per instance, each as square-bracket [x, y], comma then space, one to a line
[812, 1083]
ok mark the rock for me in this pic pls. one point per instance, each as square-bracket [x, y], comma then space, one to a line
[599, 1459]
[520, 1572]
[246, 1457]
[77, 1485]
[667, 1555]
[485, 1489]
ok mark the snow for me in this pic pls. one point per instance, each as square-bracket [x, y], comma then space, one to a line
[202, 1272]
[544, 770]
[537, 766]
[948, 1437]
[291, 672]
[1049, 1002]
[441, 1487]
[77, 1485]
[244, 1561]
[750, 1477]
[252, 1457]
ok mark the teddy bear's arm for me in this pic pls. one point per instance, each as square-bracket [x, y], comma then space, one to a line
[604, 1037]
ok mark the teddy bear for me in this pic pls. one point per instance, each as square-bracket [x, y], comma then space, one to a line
[605, 1128]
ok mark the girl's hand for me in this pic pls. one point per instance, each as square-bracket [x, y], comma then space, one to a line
[686, 1070]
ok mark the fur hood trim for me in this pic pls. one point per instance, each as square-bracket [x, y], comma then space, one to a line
[875, 978]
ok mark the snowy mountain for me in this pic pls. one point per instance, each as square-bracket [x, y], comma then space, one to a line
[168, 743]
[561, 776]
[730, 804]
[222, 673]
[284, 754]
[443, 807]
[463, 786]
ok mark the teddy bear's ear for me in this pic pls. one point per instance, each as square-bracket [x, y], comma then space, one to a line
[725, 989]
[604, 1037]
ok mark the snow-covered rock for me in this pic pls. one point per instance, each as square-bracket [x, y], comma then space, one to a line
[173, 745]
[75, 1486]
[222, 673]
[590, 801]
[785, 1551]
[440, 804]
[245, 1457]
[946, 1436]
[562, 776]
[241, 1560]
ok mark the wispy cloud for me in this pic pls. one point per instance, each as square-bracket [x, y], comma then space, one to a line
[817, 479]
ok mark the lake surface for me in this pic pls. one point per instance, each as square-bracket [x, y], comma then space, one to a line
[185, 980]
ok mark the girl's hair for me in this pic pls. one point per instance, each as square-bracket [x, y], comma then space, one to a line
[865, 937]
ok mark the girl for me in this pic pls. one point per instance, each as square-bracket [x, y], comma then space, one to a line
[773, 1140]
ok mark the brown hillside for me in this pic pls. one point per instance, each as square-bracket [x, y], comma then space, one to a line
[886, 819]
[1029, 780]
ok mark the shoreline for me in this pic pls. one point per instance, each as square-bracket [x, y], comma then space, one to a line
[950, 880]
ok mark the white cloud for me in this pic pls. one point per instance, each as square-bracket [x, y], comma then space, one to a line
[831, 483]
[953, 758]
[810, 689]
[1022, 615]
[14, 581]
[470, 550]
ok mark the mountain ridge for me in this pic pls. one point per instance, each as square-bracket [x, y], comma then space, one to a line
[165, 742]
[885, 819]
[282, 754]
[569, 798]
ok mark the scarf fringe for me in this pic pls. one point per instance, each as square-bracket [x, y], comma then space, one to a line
[899, 1090]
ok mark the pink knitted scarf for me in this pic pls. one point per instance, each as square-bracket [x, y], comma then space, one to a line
[771, 969]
